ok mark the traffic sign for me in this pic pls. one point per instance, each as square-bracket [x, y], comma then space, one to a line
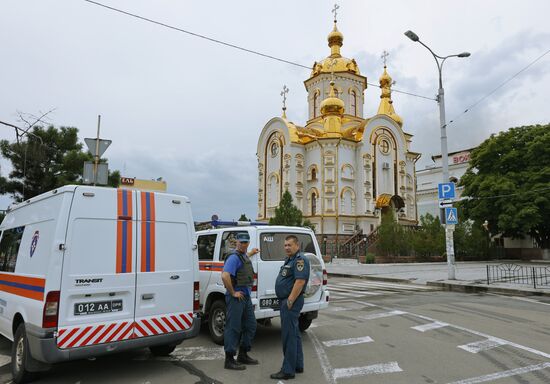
[451, 215]
[103, 145]
[446, 191]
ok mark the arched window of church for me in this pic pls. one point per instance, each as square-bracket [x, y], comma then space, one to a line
[313, 204]
[314, 174]
[315, 98]
[353, 103]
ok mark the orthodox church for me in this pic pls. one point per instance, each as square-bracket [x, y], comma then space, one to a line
[343, 170]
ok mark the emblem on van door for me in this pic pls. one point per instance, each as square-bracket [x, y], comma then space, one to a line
[87, 282]
[34, 241]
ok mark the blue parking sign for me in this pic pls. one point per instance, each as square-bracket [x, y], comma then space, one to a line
[451, 215]
[446, 190]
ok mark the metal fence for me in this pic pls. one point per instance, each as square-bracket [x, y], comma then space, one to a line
[537, 276]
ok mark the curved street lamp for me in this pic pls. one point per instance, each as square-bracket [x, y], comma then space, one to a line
[440, 60]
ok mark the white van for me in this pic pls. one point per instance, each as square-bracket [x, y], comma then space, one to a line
[86, 271]
[215, 244]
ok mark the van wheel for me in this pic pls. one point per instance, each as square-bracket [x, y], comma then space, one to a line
[304, 322]
[162, 350]
[216, 321]
[20, 354]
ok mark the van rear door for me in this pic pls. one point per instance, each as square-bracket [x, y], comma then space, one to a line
[97, 296]
[166, 269]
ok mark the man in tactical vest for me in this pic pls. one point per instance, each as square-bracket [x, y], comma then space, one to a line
[240, 322]
[290, 287]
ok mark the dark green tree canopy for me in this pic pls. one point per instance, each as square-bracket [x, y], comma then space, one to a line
[243, 218]
[508, 182]
[40, 166]
[288, 214]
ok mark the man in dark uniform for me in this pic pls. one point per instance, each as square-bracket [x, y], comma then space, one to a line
[240, 322]
[290, 287]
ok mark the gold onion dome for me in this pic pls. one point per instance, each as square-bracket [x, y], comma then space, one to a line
[386, 103]
[332, 105]
[335, 62]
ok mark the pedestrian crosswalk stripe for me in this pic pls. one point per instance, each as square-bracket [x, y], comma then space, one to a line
[343, 342]
[480, 346]
[341, 373]
[430, 326]
[381, 315]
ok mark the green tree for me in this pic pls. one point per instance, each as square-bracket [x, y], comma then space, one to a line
[243, 218]
[288, 214]
[40, 165]
[508, 181]
[392, 239]
[429, 239]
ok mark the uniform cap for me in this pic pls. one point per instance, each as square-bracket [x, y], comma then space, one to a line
[243, 237]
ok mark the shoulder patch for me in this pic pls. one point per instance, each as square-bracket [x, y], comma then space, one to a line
[300, 265]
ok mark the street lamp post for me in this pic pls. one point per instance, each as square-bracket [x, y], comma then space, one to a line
[440, 60]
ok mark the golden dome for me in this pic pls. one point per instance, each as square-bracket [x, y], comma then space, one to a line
[386, 103]
[335, 62]
[332, 105]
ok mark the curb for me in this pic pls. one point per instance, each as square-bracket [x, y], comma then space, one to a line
[373, 278]
[475, 288]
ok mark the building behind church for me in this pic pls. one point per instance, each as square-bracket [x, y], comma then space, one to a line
[343, 170]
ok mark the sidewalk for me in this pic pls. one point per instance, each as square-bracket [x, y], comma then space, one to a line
[470, 276]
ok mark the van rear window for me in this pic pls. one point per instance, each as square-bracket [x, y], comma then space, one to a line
[9, 248]
[272, 245]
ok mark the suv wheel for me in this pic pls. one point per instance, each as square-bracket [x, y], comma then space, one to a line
[304, 322]
[216, 321]
[20, 354]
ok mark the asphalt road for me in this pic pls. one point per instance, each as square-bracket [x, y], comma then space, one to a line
[373, 332]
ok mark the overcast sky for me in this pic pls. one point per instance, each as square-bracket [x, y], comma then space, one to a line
[190, 111]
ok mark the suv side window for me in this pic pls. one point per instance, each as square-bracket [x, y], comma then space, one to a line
[9, 248]
[206, 245]
[228, 243]
[272, 244]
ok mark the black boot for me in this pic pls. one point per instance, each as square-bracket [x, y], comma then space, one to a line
[230, 363]
[244, 358]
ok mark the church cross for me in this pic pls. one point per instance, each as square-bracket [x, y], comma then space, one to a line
[283, 93]
[335, 11]
[384, 56]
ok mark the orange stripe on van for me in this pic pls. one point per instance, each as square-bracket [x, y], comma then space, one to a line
[124, 231]
[148, 232]
[29, 287]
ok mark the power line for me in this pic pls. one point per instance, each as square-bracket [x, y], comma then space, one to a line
[228, 44]
[507, 195]
[468, 109]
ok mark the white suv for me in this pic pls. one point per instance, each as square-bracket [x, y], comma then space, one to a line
[215, 244]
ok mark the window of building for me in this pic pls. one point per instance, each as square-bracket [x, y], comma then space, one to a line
[274, 149]
[9, 248]
[353, 104]
[314, 174]
[206, 245]
[313, 204]
[315, 97]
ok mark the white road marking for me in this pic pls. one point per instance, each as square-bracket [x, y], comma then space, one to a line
[198, 353]
[4, 360]
[323, 358]
[317, 324]
[430, 326]
[343, 342]
[483, 345]
[503, 374]
[342, 373]
[519, 346]
[381, 315]
[345, 293]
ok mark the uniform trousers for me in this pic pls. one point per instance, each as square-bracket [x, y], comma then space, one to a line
[240, 324]
[292, 338]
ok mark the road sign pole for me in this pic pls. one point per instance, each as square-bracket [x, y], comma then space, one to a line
[96, 154]
[451, 267]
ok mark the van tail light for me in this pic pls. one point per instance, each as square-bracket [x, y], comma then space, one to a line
[51, 310]
[325, 277]
[196, 296]
[255, 284]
